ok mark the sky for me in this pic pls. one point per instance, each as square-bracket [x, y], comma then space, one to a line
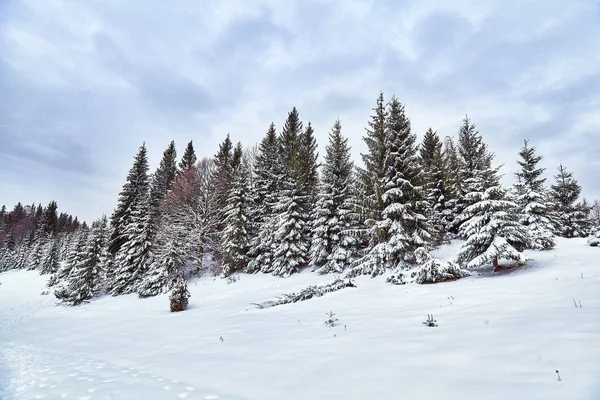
[84, 83]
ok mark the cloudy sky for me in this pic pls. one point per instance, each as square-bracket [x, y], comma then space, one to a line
[84, 83]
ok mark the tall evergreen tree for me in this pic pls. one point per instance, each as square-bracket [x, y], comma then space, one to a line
[49, 222]
[268, 172]
[403, 226]
[51, 257]
[375, 162]
[224, 170]
[570, 215]
[188, 160]
[491, 226]
[531, 197]
[163, 178]
[334, 241]
[132, 233]
[474, 168]
[235, 240]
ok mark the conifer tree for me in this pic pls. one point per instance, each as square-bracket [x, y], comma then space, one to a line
[49, 221]
[490, 223]
[434, 179]
[374, 163]
[86, 278]
[74, 258]
[334, 241]
[179, 295]
[235, 241]
[224, 171]
[268, 172]
[168, 264]
[403, 226]
[51, 257]
[474, 169]
[163, 178]
[132, 229]
[531, 197]
[189, 158]
[570, 215]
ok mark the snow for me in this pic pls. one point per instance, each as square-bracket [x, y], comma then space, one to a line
[500, 336]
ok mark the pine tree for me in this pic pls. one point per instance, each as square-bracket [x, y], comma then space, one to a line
[168, 264]
[163, 178]
[179, 295]
[375, 163]
[434, 178]
[188, 160]
[334, 242]
[570, 215]
[132, 229]
[490, 224]
[49, 221]
[224, 171]
[74, 258]
[235, 241]
[474, 169]
[86, 278]
[289, 142]
[403, 226]
[268, 172]
[51, 257]
[134, 193]
[531, 197]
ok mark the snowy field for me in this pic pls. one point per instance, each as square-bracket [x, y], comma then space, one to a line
[499, 337]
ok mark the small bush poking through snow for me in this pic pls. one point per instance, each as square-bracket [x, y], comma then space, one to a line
[430, 321]
[232, 278]
[331, 319]
[179, 295]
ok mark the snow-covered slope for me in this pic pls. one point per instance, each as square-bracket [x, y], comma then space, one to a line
[499, 337]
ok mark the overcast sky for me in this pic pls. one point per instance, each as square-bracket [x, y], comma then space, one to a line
[84, 83]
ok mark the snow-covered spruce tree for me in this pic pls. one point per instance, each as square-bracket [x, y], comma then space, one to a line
[74, 258]
[235, 240]
[188, 161]
[570, 215]
[374, 164]
[334, 242]
[131, 224]
[308, 174]
[51, 257]
[162, 180]
[490, 224]
[474, 166]
[531, 197]
[290, 245]
[35, 256]
[169, 262]
[403, 226]
[179, 295]
[223, 171]
[434, 183]
[86, 279]
[268, 172]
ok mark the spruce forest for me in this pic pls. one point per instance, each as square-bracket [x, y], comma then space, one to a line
[288, 204]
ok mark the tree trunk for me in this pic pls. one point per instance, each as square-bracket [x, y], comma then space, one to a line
[495, 263]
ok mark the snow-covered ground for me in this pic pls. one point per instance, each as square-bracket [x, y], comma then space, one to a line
[499, 337]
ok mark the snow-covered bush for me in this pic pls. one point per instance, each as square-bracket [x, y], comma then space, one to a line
[179, 295]
[331, 319]
[429, 270]
[594, 239]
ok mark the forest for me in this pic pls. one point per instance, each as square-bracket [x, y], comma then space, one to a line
[276, 208]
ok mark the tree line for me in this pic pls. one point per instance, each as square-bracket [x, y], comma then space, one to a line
[273, 208]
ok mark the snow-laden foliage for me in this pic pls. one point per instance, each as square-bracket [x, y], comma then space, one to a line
[51, 258]
[308, 293]
[429, 270]
[403, 226]
[532, 200]
[334, 242]
[491, 229]
[571, 216]
[594, 238]
[87, 275]
[180, 295]
[235, 235]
